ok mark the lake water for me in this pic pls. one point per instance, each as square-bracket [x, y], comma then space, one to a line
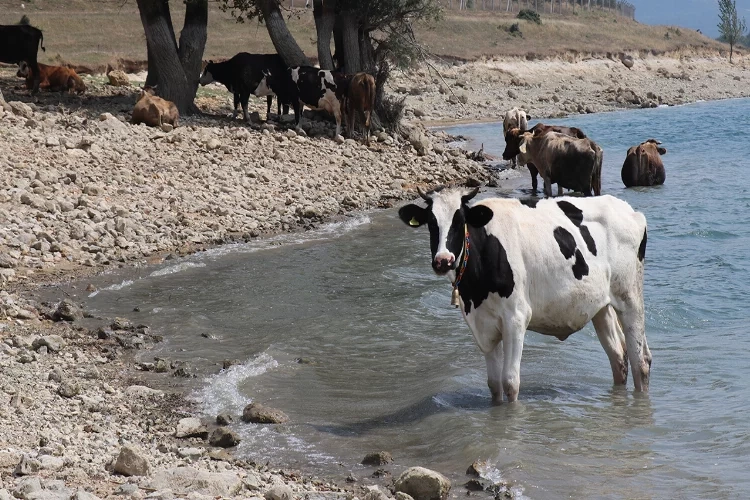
[348, 331]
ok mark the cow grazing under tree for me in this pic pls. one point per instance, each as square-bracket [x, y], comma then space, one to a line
[313, 87]
[242, 75]
[359, 100]
[567, 161]
[513, 145]
[21, 42]
[643, 165]
[549, 266]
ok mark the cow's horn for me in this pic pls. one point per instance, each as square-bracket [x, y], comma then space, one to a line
[423, 194]
[465, 198]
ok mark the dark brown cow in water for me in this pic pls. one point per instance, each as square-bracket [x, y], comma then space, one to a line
[643, 165]
[569, 162]
[513, 144]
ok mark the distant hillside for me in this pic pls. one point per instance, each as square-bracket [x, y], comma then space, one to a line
[98, 32]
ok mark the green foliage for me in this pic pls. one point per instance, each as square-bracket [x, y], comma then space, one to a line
[530, 15]
[731, 27]
[515, 30]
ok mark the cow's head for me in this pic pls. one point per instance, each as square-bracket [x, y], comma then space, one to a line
[207, 77]
[512, 143]
[24, 70]
[653, 144]
[446, 215]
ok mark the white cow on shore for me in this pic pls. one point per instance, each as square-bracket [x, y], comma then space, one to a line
[550, 266]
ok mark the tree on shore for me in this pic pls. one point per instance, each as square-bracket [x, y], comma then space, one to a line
[175, 68]
[731, 27]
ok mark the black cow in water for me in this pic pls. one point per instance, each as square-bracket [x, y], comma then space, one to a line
[314, 87]
[21, 42]
[243, 75]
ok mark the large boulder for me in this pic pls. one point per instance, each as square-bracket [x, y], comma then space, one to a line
[423, 484]
[190, 427]
[189, 480]
[258, 414]
[132, 462]
[118, 78]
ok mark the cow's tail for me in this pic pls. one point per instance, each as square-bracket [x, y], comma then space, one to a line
[596, 178]
[41, 40]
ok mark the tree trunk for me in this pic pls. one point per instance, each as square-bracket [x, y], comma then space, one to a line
[173, 85]
[152, 78]
[325, 18]
[366, 53]
[731, 49]
[349, 27]
[285, 44]
[193, 40]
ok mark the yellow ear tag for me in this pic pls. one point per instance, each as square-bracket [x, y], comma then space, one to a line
[522, 148]
[413, 222]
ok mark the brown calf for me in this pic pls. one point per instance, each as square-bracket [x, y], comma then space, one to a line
[153, 110]
[53, 78]
[643, 165]
[360, 98]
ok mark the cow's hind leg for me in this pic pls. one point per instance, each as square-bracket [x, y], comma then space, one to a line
[513, 334]
[610, 335]
[494, 360]
[631, 315]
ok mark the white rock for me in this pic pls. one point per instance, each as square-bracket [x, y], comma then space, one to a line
[190, 427]
[191, 480]
[142, 391]
[423, 484]
[279, 492]
[131, 461]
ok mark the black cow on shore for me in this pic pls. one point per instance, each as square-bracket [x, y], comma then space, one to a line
[21, 42]
[313, 87]
[243, 75]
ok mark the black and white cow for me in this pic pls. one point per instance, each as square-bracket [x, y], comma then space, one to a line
[313, 87]
[243, 75]
[549, 266]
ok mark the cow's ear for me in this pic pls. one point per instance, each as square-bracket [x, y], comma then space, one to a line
[662, 151]
[413, 215]
[522, 146]
[479, 216]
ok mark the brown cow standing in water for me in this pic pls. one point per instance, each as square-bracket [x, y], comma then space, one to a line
[643, 165]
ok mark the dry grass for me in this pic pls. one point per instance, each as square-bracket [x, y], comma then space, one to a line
[98, 32]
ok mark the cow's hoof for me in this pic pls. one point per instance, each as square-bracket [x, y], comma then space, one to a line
[339, 139]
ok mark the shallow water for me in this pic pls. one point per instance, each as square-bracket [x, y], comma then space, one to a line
[348, 331]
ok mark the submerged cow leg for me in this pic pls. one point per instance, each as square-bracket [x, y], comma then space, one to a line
[534, 173]
[494, 360]
[639, 355]
[547, 186]
[513, 336]
[611, 337]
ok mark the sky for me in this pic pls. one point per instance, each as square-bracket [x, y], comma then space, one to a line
[696, 14]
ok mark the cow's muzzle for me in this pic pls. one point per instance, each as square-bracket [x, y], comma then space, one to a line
[442, 263]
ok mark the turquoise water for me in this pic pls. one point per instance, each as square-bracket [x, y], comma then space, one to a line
[348, 331]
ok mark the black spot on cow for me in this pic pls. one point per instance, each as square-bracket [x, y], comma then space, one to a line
[566, 242]
[590, 243]
[642, 247]
[530, 202]
[580, 268]
[487, 271]
[571, 211]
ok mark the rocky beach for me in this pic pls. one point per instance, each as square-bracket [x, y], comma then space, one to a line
[83, 191]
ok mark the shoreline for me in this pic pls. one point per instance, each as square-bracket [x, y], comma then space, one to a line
[129, 182]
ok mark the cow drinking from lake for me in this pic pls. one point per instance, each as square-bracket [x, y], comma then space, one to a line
[549, 266]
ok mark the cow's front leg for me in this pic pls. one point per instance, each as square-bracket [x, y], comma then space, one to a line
[547, 186]
[494, 360]
[337, 115]
[513, 335]
[236, 105]
[639, 355]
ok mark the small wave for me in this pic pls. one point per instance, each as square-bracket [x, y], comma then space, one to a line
[182, 266]
[328, 231]
[222, 391]
[115, 287]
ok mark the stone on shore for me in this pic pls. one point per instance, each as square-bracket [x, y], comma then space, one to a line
[191, 480]
[423, 484]
[379, 458]
[118, 78]
[224, 438]
[132, 462]
[279, 492]
[191, 427]
[27, 466]
[259, 414]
